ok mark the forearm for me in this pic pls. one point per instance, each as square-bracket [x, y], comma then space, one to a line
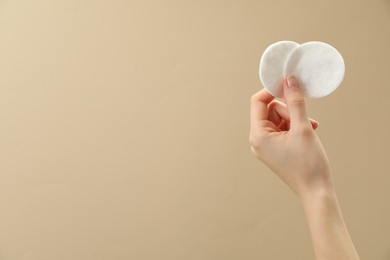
[328, 231]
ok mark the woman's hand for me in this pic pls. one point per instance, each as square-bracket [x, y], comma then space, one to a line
[283, 137]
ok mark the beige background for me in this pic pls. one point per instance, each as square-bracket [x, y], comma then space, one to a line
[124, 128]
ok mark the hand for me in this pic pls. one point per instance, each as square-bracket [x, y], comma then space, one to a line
[283, 137]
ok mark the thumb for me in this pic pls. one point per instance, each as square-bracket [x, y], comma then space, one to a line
[295, 102]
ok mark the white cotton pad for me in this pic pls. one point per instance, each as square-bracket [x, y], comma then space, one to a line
[272, 65]
[319, 68]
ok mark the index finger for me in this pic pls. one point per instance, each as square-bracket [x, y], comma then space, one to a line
[259, 103]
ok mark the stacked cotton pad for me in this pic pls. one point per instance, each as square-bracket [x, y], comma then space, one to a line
[318, 66]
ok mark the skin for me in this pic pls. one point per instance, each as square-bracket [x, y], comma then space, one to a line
[283, 137]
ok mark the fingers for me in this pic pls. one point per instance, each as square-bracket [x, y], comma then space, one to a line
[259, 104]
[278, 112]
[295, 103]
[279, 115]
[264, 107]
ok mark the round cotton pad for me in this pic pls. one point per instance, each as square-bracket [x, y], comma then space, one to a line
[272, 65]
[318, 66]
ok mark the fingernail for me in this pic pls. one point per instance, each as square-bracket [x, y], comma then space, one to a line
[291, 81]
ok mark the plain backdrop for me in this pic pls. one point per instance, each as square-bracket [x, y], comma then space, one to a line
[124, 129]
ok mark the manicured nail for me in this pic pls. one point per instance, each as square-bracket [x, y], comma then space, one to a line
[292, 81]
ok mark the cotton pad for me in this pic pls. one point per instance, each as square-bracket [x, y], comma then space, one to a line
[318, 66]
[272, 64]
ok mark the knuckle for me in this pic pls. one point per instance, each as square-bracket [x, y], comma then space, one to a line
[252, 140]
[297, 101]
[253, 98]
[273, 104]
[256, 140]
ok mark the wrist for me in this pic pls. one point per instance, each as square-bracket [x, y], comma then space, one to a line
[313, 183]
[317, 194]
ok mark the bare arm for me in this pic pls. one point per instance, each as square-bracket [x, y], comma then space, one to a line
[283, 137]
[328, 231]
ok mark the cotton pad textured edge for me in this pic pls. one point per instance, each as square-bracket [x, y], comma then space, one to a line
[273, 63]
[319, 68]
